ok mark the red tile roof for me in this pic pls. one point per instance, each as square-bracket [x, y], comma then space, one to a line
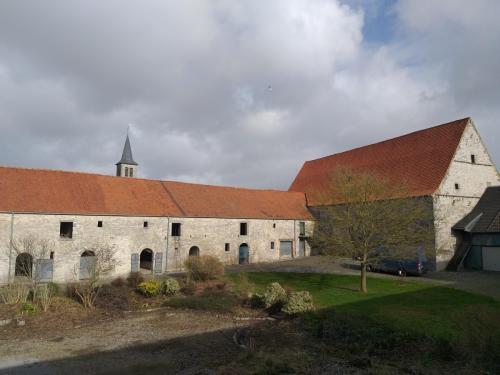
[50, 191]
[420, 159]
[220, 201]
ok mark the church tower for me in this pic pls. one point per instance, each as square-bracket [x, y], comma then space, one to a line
[126, 167]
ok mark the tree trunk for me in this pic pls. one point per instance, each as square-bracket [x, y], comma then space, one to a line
[363, 277]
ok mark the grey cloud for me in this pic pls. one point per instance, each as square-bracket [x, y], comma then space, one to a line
[193, 78]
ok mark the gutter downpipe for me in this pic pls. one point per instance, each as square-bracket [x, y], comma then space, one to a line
[11, 245]
[166, 250]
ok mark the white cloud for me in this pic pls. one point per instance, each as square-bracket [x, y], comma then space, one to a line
[193, 76]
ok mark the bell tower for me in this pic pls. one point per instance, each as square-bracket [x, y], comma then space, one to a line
[127, 167]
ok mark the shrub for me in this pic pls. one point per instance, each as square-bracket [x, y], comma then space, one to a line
[275, 296]
[298, 302]
[189, 288]
[150, 288]
[205, 267]
[14, 293]
[28, 307]
[44, 296]
[134, 279]
[118, 282]
[256, 301]
[54, 288]
[170, 286]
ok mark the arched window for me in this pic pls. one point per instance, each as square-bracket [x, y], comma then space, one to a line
[24, 265]
[194, 251]
[146, 260]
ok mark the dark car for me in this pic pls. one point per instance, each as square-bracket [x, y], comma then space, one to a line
[385, 260]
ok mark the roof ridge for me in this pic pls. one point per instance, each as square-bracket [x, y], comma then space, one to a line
[226, 187]
[62, 171]
[450, 123]
[79, 173]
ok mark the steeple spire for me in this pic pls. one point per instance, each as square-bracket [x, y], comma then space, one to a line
[127, 154]
[126, 166]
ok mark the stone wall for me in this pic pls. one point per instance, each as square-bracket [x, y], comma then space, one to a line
[452, 204]
[129, 236]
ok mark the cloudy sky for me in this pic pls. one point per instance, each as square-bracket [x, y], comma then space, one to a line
[237, 92]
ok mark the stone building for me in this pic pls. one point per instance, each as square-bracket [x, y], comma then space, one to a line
[449, 164]
[154, 225]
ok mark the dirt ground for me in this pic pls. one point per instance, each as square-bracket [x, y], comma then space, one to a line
[170, 342]
[482, 282]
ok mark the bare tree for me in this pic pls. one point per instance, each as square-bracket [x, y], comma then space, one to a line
[99, 261]
[365, 213]
[29, 250]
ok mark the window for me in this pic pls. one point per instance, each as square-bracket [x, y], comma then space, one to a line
[51, 255]
[146, 224]
[99, 223]
[126, 171]
[302, 228]
[457, 186]
[243, 229]
[272, 245]
[473, 159]
[274, 225]
[227, 247]
[176, 229]
[66, 229]
[131, 172]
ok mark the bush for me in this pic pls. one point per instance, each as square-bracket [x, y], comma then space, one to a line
[170, 286]
[134, 279]
[150, 288]
[257, 301]
[298, 302]
[14, 293]
[55, 289]
[28, 307]
[205, 267]
[189, 288]
[275, 296]
[44, 296]
[118, 282]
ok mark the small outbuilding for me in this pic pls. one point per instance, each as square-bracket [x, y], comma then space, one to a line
[478, 235]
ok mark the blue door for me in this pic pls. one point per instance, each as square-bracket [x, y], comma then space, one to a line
[302, 247]
[243, 254]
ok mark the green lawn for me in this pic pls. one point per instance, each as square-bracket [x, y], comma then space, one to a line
[427, 309]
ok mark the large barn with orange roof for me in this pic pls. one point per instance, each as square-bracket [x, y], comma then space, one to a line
[448, 163]
[156, 225]
[153, 225]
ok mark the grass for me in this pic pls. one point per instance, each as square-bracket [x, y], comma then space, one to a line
[218, 301]
[434, 311]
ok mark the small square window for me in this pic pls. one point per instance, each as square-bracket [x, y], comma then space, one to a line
[227, 247]
[457, 186]
[51, 255]
[272, 245]
[473, 159]
[243, 229]
[99, 223]
[146, 224]
[176, 229]
[66, 229]
[274, 225]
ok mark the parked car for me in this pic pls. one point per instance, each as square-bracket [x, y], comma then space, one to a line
[383, 260]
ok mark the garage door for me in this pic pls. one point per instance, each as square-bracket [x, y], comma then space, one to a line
[285, 248]
[491, 258]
